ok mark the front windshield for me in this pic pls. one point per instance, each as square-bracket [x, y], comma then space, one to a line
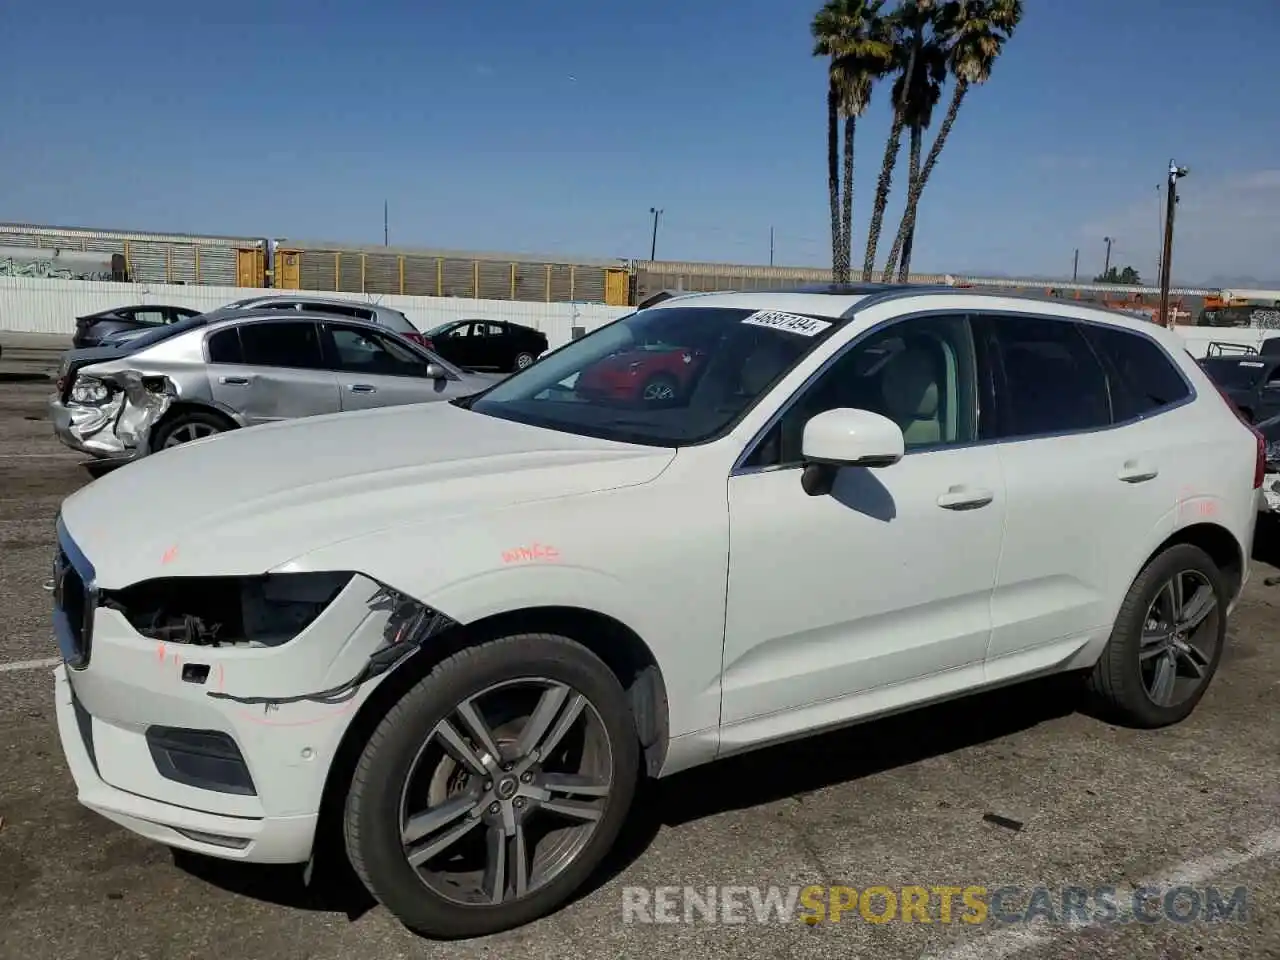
[1234, 374]
[667, 377]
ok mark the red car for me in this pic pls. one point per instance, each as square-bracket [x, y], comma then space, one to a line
[647, 374]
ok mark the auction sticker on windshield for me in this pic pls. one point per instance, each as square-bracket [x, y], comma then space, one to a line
[790, 322]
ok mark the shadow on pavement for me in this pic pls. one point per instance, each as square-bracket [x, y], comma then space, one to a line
[24, 376]
[1266, 540]
[738, 783]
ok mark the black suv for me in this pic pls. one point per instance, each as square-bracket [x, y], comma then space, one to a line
[1251, 382]
[487, 344]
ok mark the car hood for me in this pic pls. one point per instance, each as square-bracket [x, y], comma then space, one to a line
[251, 500]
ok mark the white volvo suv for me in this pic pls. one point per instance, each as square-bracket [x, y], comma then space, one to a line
[464, 630]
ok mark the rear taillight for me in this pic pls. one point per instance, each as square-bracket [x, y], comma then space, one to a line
[1260, 464]
[417, 338]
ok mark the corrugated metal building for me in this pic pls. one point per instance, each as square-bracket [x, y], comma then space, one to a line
[156, 257]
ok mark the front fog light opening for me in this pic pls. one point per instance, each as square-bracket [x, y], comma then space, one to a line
[409, 624]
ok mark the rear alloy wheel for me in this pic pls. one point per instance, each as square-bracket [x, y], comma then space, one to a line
[524, 360]
[494, 788]
[186, 427]
[1167, 642]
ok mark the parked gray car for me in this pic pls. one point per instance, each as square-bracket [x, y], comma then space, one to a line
[172, 386]
[298, 302]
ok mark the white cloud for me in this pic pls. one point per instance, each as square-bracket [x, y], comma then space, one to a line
[1225, 226]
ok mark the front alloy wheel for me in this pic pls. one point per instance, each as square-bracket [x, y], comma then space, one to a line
[506, 792]
[495, 786]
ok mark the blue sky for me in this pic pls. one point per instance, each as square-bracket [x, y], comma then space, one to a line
[554, 127]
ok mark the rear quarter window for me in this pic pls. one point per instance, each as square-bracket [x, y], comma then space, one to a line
[1145, 379]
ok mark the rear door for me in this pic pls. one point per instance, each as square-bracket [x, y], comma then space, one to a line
[269, 370]
[460, 344]
[377, 370]
[1090, 474]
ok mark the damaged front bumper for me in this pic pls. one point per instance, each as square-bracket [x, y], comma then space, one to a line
[111, 417]
[201, 739]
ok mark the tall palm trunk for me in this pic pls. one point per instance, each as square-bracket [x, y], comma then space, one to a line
[883, 186]
[907, 229]
[846, 236]
[833, 177]
[913, 174]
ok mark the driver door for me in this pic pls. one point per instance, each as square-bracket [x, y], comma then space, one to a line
[878, 594]
[374, 370]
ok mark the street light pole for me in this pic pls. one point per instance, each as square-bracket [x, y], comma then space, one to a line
[1176, 173]
[1075, 266]
[1106, 267]
[653, 246]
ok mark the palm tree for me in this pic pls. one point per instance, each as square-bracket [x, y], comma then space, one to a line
[852, 35]
[921, 98]
[974, 33]
[912, 57]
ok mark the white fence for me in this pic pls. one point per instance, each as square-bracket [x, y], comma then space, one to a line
[40, 305]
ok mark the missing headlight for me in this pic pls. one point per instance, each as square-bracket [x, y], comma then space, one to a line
[408, 626]
[259, 611]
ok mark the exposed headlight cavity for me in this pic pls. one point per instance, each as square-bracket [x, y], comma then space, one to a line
[258, 611]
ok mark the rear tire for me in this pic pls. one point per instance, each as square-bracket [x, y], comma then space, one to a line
[461, 815]
[1154, 634]
[524, 359]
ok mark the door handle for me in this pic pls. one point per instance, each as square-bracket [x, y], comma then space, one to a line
[234, 381]
[1135, 472]
[362, 388]
[965, 498]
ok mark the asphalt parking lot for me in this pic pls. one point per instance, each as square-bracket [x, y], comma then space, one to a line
[1074, 803]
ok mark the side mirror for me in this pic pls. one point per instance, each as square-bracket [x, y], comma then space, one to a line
[436, 372]
[846, 437]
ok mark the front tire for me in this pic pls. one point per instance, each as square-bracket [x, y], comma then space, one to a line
[493, 789]
[187, 426]
[1167, 641]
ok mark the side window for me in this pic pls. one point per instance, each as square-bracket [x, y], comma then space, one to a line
[283, 344]
[153, 315]
[224, 346]
[920, 373]
[461, 330]
[1144, 378]
[360, 351]
[1053, 381]
[494, 330]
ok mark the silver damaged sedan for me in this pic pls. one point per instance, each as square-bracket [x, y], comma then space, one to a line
[188, 381]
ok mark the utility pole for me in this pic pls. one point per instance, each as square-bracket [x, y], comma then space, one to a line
[653, 246]
[1159, 227]
[385, 234]
[1106, 267]
[1075, 266]
[1176, 173]
[771, 246]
